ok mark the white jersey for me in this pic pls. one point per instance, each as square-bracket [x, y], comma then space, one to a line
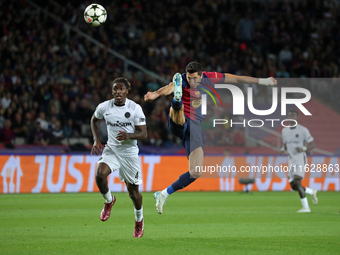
[123, 118]
[296, 137]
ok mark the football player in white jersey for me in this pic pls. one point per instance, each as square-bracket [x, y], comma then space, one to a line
[297, 141]
[126, 124]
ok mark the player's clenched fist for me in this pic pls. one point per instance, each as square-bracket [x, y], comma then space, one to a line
[150, 96]
[121, 136]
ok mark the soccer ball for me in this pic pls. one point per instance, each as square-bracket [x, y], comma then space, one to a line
[95, 14]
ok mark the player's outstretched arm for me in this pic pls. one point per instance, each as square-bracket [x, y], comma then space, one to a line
[163, 91]
[97, 147]
[139, 134]
[231, 78]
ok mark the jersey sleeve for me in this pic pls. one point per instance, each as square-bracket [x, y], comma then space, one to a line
[139, 119]
[308, 137]
[215, 77]
[184, 80]
[99, 113]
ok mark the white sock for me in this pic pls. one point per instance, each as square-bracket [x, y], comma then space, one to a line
[309, 191]
[108, 196]
[139, 214]
[165, 193]
[304, 203]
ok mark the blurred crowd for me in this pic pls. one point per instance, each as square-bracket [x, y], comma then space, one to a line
[51, 78]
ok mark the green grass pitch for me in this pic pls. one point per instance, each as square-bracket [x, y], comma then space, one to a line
[192, 223]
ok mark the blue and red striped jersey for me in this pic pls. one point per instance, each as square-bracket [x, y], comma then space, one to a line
[191, 98]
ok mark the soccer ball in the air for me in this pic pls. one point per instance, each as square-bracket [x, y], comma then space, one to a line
[95, 14]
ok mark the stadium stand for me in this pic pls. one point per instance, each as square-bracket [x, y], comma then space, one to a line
[47, 69]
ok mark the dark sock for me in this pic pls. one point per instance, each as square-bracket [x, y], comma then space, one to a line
[183, 181]
[176, 105]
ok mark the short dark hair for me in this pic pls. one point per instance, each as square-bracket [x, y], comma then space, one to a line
[294, 110]
[124, 81]
[194, 67]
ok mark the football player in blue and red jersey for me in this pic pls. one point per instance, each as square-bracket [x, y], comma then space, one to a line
[185, 116]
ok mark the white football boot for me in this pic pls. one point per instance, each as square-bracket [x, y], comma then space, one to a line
[160, 201]
[304, 210]
[314, 198]
[177, 83]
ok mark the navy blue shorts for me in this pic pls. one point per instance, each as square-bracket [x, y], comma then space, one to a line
[190, 134]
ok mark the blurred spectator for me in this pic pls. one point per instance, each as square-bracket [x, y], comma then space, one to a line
[2, 121]
[7, 135]
[69, 130]
[282, 72]
[57, 134]
[6, 100]
[245, 29]
[154, 130]
[29, 124]
[152, 85]
[85, 111]
[51, 124]
[18, 126]
[55, 104]
[38, 135]
[285, 56]
[42, 120]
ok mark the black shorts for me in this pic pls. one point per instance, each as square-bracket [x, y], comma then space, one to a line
[190, 134]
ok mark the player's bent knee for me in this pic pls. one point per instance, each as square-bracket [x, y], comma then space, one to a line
[195, 174]
[103, 170]
[295, 184]
[292, 185]
[100, 177]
